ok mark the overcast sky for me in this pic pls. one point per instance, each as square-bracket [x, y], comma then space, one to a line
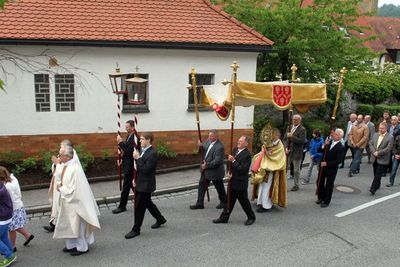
[394, 2]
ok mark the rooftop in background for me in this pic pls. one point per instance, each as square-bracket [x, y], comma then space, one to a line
[387, 31]
[125, 22]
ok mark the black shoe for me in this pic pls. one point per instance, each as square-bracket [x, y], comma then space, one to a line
[319, 201]
[249, 222]
[14, 249]
[220, 206]
[49, 228]
[219, 220]
[261, 209]
[196, 207]
[65, 250]
[350, 174]
[77, 252]
[372, 192]
[29, 240]
[118, 210]
[131, 234]
[324, 205]
[357, 171]
[294, 188]
[389, 185]
[158, 224]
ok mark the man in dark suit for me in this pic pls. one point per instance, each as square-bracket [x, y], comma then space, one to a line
[145, 185]
[295, 140]
[239, 179]
[381, 146]
[329, 167]
[212, 169]
[127, 148]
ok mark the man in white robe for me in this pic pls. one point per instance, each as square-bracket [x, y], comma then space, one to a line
[53, 194]
[78, 211]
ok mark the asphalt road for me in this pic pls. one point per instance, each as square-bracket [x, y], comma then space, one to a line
[303, 234]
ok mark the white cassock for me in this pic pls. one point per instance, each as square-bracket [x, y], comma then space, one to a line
[54, 195]
[264, 191]
[78, 210]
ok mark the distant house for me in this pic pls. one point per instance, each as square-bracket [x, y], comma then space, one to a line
[387, 41]
[59, 55]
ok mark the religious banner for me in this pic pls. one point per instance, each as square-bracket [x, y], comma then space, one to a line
[283, 95]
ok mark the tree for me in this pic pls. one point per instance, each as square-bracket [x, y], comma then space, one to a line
[316, 38]
[389, 11]
[2, 3]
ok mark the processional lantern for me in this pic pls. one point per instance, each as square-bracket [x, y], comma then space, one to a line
[136, 89]
[117, 81]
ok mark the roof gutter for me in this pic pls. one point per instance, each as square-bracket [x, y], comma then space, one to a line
[143, 44]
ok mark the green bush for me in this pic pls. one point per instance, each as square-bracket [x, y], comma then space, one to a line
[26, 164]
[368, 87]
[46, 158]
[379, 109]
[365, 109]
[12, 157]
[85, 157]
[311, 124]
[164, 151]
[105, 154]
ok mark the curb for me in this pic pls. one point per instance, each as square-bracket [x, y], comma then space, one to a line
[110, 177]
[114, 199]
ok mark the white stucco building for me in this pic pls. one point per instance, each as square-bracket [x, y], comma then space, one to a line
[58, 57]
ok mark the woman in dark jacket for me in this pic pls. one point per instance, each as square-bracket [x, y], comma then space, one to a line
[6, 212]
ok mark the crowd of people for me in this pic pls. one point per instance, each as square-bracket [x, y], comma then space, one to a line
[74, 213]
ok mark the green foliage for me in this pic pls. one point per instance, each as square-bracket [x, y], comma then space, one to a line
[391, 78]
[85, 157]
[46, 159]
[26, 164]
[2, 3]
[11, 157]
[368, 87]
[164, 151]
[311, 124]
[379, 109]
[258, 125]
[307, 36]
[389, 10]
[105, 154]
[365, 109]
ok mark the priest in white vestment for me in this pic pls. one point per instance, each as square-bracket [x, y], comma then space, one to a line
[78, 211]
[53, 193]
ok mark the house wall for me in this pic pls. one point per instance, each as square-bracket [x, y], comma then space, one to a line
[95, 104]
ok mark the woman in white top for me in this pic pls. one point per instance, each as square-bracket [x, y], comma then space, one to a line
[19, 214]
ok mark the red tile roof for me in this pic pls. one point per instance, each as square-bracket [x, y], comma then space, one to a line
[161, 21]
[388, 31]
[366, 32]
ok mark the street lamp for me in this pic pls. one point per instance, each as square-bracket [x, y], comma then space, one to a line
[136, 88]
[117, 83]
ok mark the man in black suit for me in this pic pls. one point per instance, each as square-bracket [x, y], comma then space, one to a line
[127, 148]
[145, 185]
[329, 167]
[239, 179]
[212, 169]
